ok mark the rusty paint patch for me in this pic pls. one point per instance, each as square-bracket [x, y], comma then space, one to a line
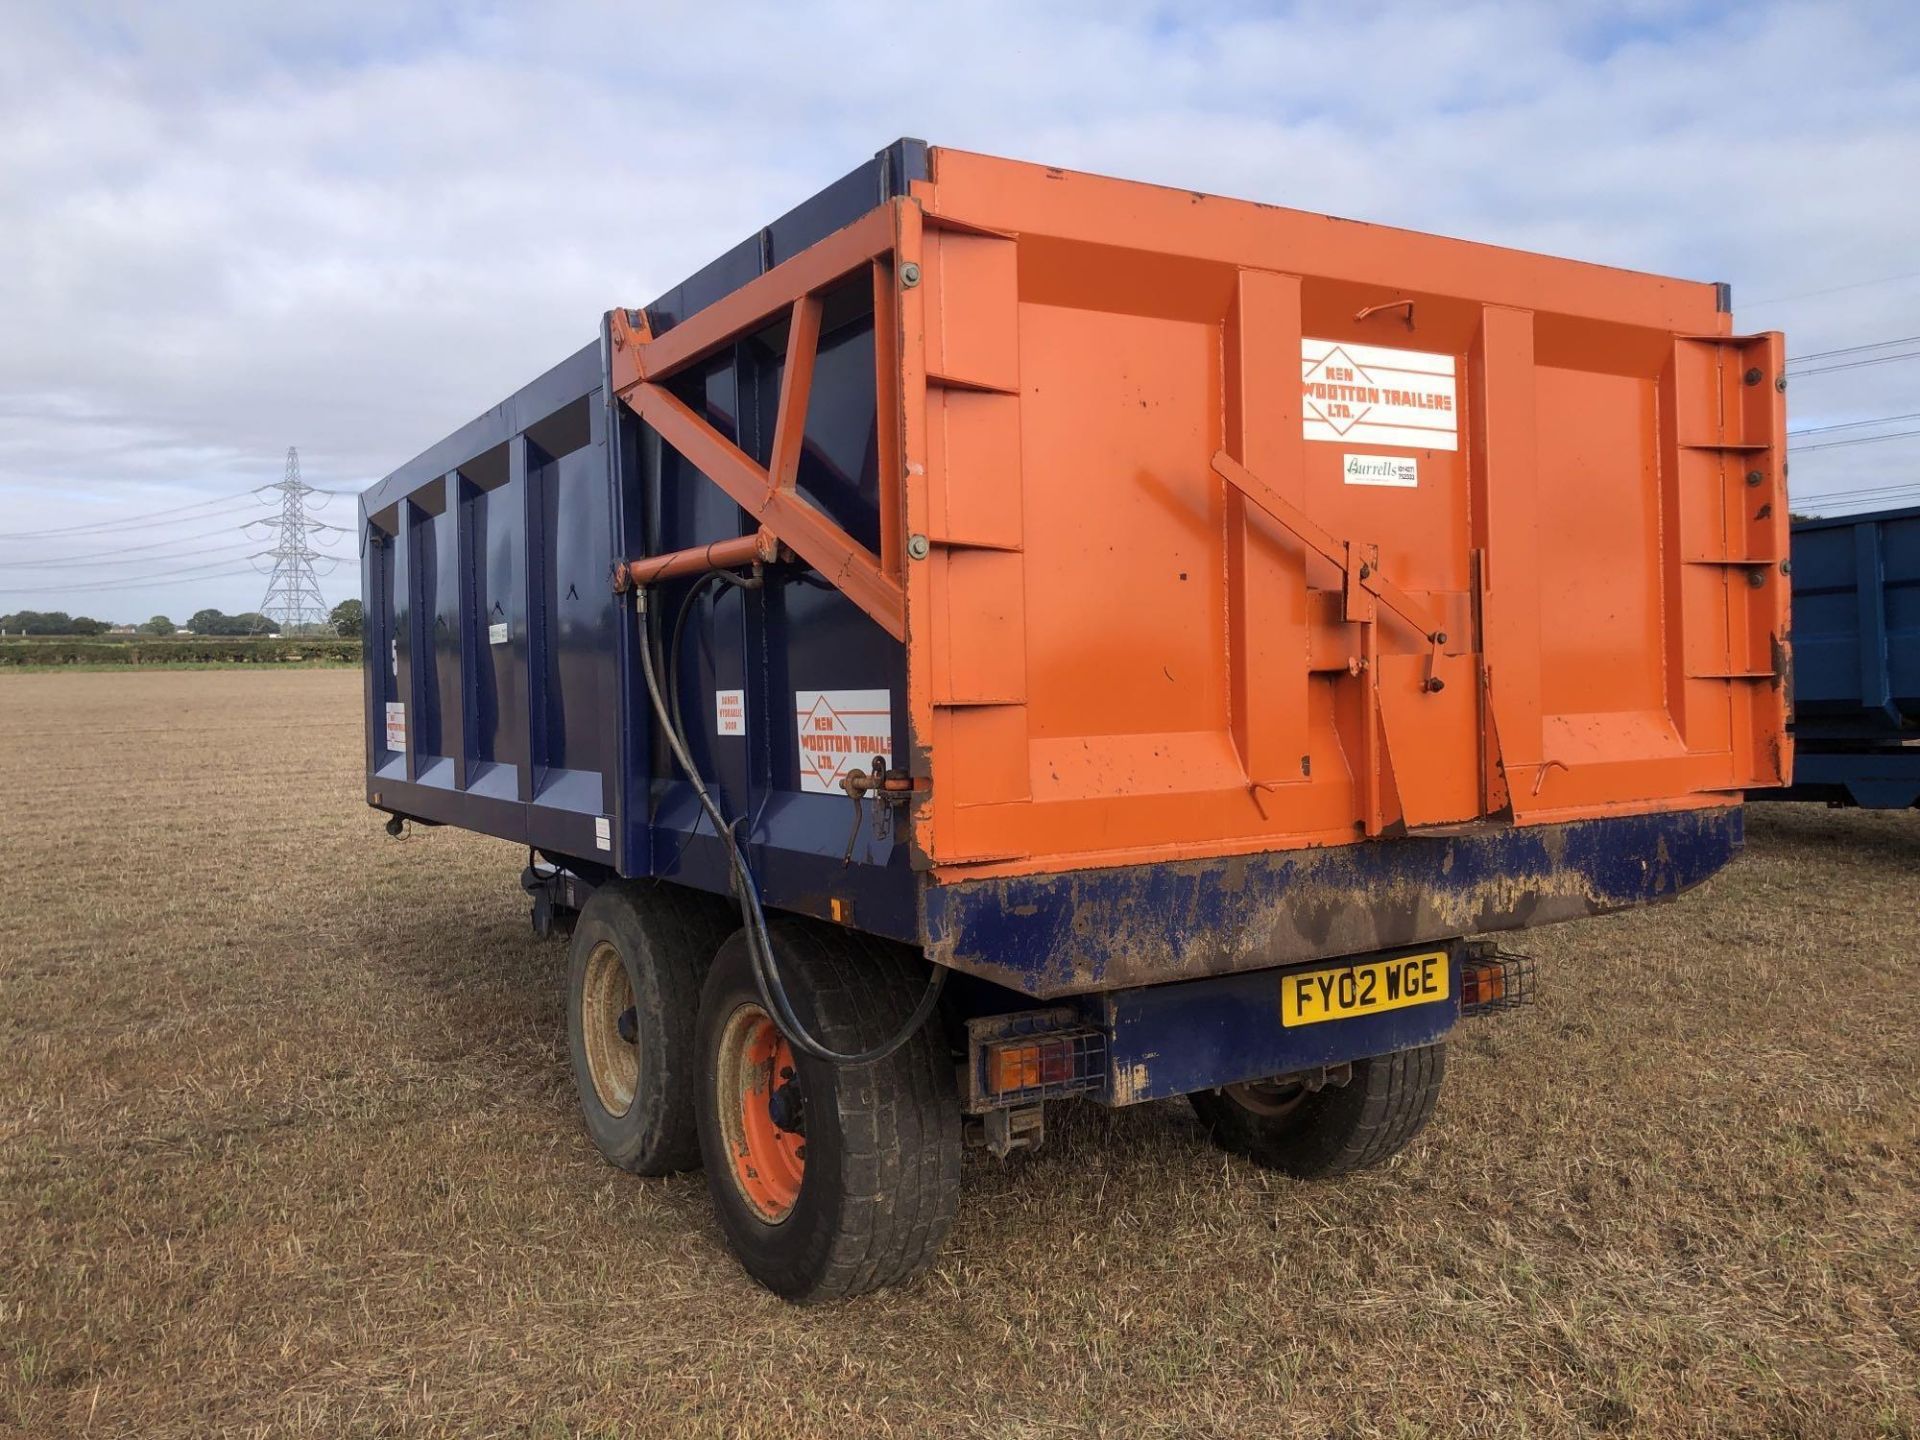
[1130, 1082]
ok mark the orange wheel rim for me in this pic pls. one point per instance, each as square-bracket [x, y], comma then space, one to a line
[762, 1113]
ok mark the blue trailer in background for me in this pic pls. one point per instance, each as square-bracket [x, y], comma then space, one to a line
[1856, 646]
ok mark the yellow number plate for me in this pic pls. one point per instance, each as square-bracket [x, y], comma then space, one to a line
[1341, 993]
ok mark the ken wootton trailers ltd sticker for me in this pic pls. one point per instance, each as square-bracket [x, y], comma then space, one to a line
[1370, 395]
[841, 731]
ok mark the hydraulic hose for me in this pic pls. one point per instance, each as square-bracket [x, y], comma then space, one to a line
[766, 970]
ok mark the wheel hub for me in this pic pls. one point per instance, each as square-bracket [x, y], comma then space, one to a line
[1271, 1098]
[762, 1109]
[787, 1106]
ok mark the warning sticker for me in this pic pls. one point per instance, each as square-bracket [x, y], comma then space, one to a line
[1402, 471]
[1370, 395]
[841, 731]
[603, 832]
[396, 725]
[730, 712]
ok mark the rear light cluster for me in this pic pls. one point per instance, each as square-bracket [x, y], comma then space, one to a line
[1492, 979]
[1032, 1055]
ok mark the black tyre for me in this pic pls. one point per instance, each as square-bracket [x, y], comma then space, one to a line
[828, 1181]
[1339, 1128]
[640, 951]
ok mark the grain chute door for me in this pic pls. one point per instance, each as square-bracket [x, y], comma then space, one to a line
[1385, 470]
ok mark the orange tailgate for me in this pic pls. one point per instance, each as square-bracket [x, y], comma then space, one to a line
[1249, 529]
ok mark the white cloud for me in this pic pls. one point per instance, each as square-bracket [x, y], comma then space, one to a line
[230, 227]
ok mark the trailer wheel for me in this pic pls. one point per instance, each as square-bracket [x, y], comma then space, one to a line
[1316, 1133]
[828, 1181]
[639, 953]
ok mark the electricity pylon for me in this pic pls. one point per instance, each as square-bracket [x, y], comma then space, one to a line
[293, 593]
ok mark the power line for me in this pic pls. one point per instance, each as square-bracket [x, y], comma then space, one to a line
[1856, 440]
[126, 583]
[126, 522]
[93, 561]
[1869, 493]
[1851, 425]
[1836, 289]
[1872, 489]
[262, 519]
[1852, 349]
[1871, 499]
[1823, 504]
[54, 562]
[122, 585]
[137, 549]
[1852, 364]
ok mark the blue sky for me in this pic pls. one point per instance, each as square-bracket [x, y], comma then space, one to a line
[229, 228]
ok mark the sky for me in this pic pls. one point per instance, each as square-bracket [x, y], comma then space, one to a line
[229, 228]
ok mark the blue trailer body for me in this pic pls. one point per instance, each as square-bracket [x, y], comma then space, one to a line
[1856, 630]
[492, 625]
[503, 695]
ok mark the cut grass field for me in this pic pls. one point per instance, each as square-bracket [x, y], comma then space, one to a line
[288, 1146]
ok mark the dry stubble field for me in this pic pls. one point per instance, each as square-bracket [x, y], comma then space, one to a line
[288, 1147]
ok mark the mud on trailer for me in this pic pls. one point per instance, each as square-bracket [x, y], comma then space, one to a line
[1000, 635]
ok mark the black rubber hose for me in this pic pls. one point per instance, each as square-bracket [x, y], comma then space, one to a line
[766, 971]
[671, 654]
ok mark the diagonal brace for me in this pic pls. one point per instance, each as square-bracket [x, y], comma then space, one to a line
[1359, 563]
[640, 363]
[848, 565]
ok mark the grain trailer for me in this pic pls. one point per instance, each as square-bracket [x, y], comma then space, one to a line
[1000, 635]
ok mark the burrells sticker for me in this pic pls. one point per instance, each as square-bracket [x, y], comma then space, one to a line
[1401, 471]
[841, 731]
[1371, 395]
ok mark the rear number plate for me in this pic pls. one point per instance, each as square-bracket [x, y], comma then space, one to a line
[1365, 989]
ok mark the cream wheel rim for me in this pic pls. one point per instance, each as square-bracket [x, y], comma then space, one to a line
[606, 1001]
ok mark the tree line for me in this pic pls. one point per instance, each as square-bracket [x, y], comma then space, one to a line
[344, 620]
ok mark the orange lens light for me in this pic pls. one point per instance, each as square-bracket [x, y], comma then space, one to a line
[1482, 985]
[1012, 1067]
[1026, 1064]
